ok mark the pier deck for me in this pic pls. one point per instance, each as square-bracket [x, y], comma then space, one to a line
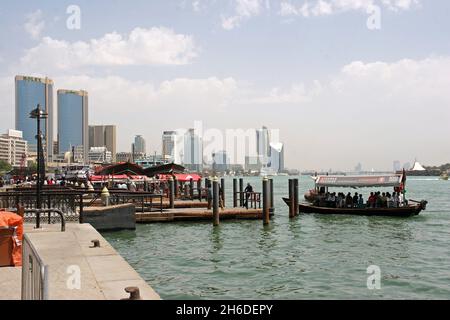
[198, 214]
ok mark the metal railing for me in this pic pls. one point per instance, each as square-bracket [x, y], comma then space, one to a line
[249, 199]
[34, 273]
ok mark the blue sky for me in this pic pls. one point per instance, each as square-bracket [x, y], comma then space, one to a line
[312, 69]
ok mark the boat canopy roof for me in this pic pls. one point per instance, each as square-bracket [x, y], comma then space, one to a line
[394, 180]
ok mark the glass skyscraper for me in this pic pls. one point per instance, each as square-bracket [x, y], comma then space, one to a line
[73, 122]
[30, 92]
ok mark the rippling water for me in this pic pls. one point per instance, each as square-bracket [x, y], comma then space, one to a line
[309, 257]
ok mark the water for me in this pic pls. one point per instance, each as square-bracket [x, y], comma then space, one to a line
[309, 257]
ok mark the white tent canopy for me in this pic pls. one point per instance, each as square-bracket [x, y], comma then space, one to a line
[417, 167]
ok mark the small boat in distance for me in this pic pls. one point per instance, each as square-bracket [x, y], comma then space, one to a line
[444, 176]
[323, 183]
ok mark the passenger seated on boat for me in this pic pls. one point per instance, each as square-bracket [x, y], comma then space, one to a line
[389, 200]
[330, 200]
[361, 202]
[355, 200]
[395, 200]
[371, 201]
[340, 200]
[383, 200]
[378, 200]
[349, 201]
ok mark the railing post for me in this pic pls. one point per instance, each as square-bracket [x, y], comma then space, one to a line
[171, 193]
[266, 201]
[234, 192]
[81, 209]
[241, 192]
[216, 195]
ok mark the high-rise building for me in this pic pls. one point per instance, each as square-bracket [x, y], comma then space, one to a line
[103, 136]
[276, 162]
[221, 162]
[30, 92]
[169, 140]
[263, 145]
[139, 145]
[193, 151]
[73, 122]
[358, 168]
[13, 148]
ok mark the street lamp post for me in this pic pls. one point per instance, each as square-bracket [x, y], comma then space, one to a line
[39, 114]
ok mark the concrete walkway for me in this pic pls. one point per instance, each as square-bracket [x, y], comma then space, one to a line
[10, 280]
[104, 274]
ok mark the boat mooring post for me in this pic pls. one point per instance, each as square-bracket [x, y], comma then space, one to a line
[271, 195]
[175, 186]
[234, 192]
[191, 189]
[266, 201]
[199, 189]
[241, 192]
[171, 193]
[216, 195]
[291, 199]
[222, 191]
[296, 202]
[209, 194]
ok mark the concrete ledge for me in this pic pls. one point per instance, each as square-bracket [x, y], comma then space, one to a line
[112, 218]
[104, 274]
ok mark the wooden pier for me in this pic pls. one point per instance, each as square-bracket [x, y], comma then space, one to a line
[198, 214]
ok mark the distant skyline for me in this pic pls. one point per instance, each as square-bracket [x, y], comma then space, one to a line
[339, 91]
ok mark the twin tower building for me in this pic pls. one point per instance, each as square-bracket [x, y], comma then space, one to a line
[72, 133]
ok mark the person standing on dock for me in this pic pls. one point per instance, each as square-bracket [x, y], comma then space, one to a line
[248, 190]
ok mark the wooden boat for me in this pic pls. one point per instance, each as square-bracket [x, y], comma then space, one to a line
[323, 183]
[406, 211]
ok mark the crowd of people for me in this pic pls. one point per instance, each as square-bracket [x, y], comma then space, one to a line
[375, 200]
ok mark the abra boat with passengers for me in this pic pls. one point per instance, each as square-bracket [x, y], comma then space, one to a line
[324, 183]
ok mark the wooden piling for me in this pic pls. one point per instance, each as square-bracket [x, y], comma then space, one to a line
[291, 199]
[208, 193]
[216, 195]
[296, 200]
[241, 192]
[191, 189]
[171, 193]
[175, 186]
[272, 205]
[234, 192]
[222, 192]
[266, 201]
[199, 189]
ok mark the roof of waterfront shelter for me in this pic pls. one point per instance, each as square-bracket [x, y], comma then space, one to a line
[169, 168]
[121, 168]
[394, 180]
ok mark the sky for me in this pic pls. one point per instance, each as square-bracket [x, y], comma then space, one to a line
[344, 81]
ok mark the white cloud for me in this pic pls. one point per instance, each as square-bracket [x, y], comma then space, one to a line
[327, 7]
[244, 9]
[34, 24]
[155, 46]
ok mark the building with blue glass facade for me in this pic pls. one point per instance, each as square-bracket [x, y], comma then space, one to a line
[30, 92]
[73, 128]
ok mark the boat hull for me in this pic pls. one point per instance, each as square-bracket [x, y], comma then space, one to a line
[408, 211]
